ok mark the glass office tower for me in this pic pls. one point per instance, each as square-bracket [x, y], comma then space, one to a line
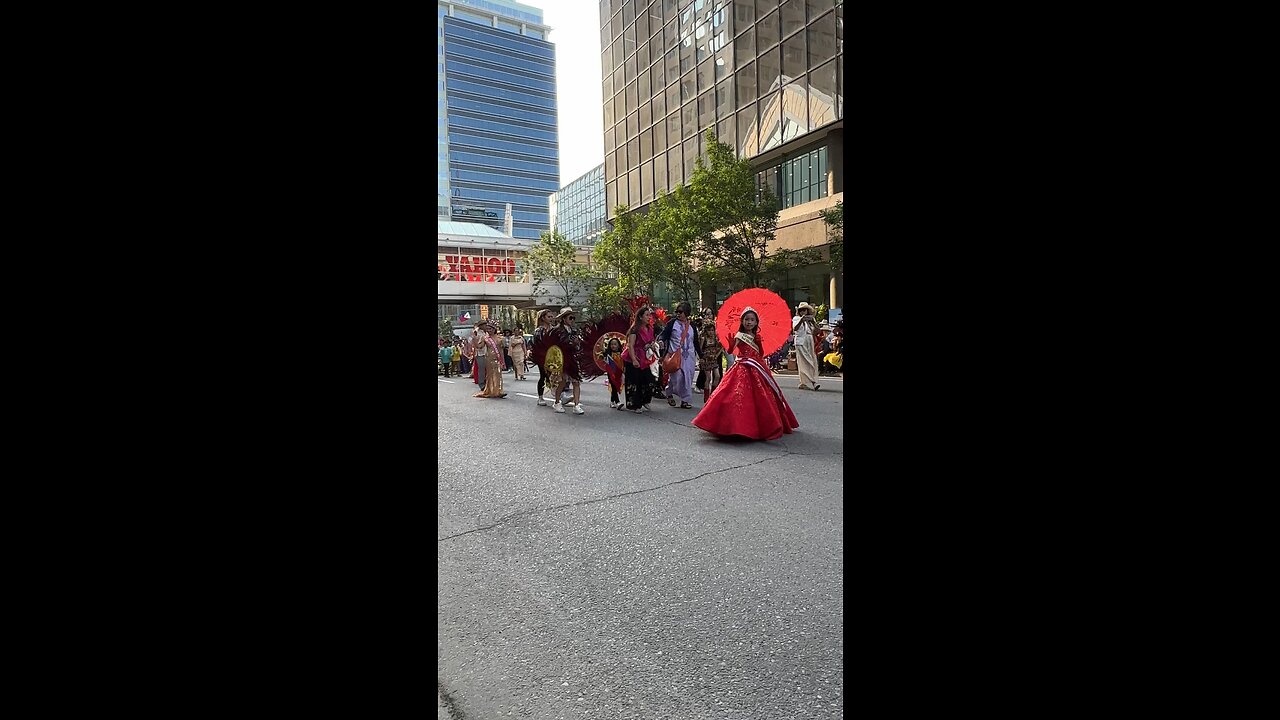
[764, 73]
[496, 92]
[577, 210]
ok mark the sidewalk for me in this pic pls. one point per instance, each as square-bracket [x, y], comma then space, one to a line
[794, 373]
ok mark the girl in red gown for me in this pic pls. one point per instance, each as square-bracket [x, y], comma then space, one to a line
[748, 401]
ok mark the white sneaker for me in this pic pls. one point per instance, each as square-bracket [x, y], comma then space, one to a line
[541, 401]
[558, 408]
[577, 409]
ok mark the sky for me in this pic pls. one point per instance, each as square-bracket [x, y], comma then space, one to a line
[575, 30]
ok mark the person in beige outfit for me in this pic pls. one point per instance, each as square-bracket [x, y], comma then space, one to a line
[803, 325]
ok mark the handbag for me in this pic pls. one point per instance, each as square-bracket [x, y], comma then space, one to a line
[671, 362]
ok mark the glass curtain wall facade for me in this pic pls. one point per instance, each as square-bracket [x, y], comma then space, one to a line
[577, 210]
[499, 138]
[763, 73]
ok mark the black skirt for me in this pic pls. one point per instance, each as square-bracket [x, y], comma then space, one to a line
[639, 387]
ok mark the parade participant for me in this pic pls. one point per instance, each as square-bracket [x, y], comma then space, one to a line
[457, 355]
[538, 352]
[806, 357]
[748, 402]
[679, 336]
[517, 352]
[614, 363]
[506, 348]
[490, 360]
[479, 355]
[709, 352]
[566, 337]
[640, 345]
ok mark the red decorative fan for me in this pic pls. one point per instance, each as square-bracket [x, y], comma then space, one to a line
[636, 302]
[775, 317]
[594, 337]
[661, 314]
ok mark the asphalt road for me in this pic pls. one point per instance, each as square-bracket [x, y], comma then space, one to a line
[613, 565]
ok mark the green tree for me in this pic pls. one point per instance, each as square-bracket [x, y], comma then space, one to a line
[737, 219]
[446, 327]
[505, 316]
[834, 218]
[606, 300]
[673, 229]
[628, 252]
[556, 274]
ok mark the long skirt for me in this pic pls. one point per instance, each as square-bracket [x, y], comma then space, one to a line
[680, 383]
[807, 364]
[492, 387]
[517, 362]
[639, 388]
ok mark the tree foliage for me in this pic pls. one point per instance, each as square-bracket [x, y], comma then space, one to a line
[713, 232]
[446, 327]
[674, 230]
[555, 272]
[735, 220]
[628, 251]
[834, 218]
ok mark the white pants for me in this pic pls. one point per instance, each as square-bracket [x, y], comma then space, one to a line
[807, 363]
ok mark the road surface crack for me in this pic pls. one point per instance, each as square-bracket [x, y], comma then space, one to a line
[608, 497]
[450, 705]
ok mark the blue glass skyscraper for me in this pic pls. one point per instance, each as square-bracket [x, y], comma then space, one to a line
[496, 91]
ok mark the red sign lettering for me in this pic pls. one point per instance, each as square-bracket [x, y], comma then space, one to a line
[475, 268]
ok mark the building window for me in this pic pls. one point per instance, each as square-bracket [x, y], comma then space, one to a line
[797, 180]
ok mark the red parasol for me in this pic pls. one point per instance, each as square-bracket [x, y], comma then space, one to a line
[775, 317]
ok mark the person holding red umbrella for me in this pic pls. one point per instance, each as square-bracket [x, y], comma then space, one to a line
[748, 403]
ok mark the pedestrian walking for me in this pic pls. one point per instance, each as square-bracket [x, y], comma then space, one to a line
[804, 326]
[749, 402]
[680, 338]
[563, 370]
[614, 364]
[479, 356]
[709, 352]
[489, 357]
[506, 348]
[641, 351]
[517, 352]
[538, 352]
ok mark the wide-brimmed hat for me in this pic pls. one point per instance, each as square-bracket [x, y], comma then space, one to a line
[803, 306]
[565, 311]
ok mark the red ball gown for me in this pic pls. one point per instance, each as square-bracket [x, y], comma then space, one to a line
[748, 401]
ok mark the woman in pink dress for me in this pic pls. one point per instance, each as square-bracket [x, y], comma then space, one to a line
[748, 402]
[640, 352]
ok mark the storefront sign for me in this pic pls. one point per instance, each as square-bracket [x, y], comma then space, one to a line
[476, 269]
